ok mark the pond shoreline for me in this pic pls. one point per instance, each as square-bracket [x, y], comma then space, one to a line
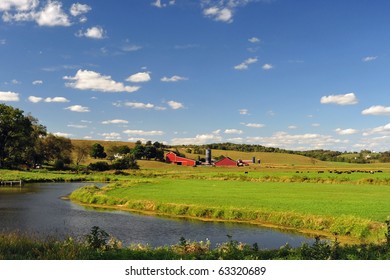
[307, 232]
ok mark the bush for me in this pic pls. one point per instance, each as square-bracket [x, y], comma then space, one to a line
[127, 162]
[99, 166]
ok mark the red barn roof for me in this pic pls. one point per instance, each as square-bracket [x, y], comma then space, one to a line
[172, 157]
[227, 161]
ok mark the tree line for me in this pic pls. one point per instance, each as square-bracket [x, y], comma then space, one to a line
[26, 143]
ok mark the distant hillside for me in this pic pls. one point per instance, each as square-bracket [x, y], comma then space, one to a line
[264, 157]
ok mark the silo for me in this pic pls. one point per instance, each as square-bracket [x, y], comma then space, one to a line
[208, 156]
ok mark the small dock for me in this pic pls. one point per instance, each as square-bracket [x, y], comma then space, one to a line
[11, 183]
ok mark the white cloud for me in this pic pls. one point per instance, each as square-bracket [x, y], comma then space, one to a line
[90, 80]
[223, 10]
[56, 100]
[173, 79]
[115, 122]
[342, 99]
[35, 99]
[9, 96]
[267, 66]
[140, 77]
[111, 136]
[254, 40]
[308, 141]
[292, 127]
[62, 134]
[3, 41]
[19, 5]
[175, 105]
[79, 9]
[37, 82]
[369, 58]
[223, 14]
[348, 131]
[131, 48]
[53, 15]
[246, 63]
[139, 105]
[79, 126]
[78, 109]
[243, 111]
[197, 140]
[377, 111]
[384, 129]
[143, 132]
[95, 32]
[254, 125]
[233, 131]
[160, 4]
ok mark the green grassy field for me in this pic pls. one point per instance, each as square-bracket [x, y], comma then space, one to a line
[351, 210]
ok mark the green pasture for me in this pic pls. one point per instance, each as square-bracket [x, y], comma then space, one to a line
[350, 210]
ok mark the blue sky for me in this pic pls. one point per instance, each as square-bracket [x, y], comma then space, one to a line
[291, 74]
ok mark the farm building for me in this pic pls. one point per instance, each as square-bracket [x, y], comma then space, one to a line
[173, 158]
[227, 161]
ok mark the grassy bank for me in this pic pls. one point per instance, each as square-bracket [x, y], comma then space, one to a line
[98, 245]
[352, 211]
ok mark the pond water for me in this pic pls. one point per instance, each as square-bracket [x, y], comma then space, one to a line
[38, 209]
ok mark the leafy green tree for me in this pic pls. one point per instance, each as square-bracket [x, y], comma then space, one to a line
[57, 148]
[18, 136]
[97, 151]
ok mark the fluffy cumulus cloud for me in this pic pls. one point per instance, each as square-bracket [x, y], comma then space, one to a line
[63, 134]
[36, 99]
[19, 5]
[95, 32]
[245, 65]
[44, 13]
[140, 105]
[348, 131]
[199, 139]
[223, 14]
[342, 99]
[233, 131]
[79, 9]
[267, 66]
[254, 40]
[52, 14]
[377, 111]
[222, 10]
[384, 129]
[143, 132]
[37, 82]
[90, 80]
[116, 121]
[173, 79]
[78, 109]
[254, 125]
[111, 136]
[308, 141]
[141, 77]
[9, 96]
[175, 105]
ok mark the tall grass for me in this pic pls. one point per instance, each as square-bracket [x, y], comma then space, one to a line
[99, 245]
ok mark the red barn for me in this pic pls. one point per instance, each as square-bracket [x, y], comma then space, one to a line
[227, 161]
[171, 157]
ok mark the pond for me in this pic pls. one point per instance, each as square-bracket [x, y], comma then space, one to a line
[38, 209]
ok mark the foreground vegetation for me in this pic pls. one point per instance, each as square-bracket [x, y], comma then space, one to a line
[98, 245]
